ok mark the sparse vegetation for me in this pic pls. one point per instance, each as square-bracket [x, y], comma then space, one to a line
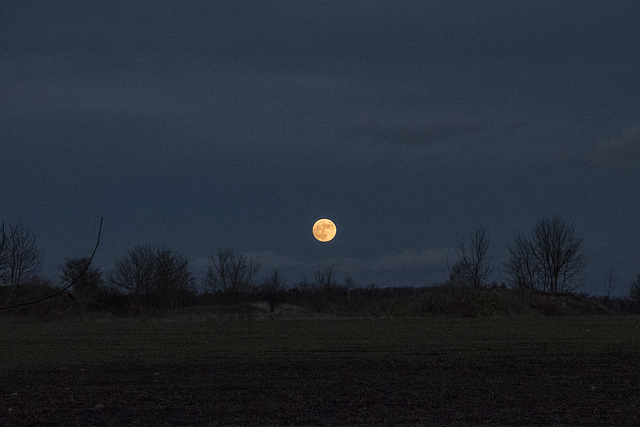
[548, 259]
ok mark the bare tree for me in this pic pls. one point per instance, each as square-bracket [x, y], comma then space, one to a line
[134, 273]
[350, 285]
[634, 291]
[86, 281]
[22, 257]
[303, 285]
[173, 282]
[64, 289]
[556, 249]
[549, 259]
[230, 272]
[324, 277]
[157, 276]
[458, 276]
[270, 288]
[522, 269]
[475, 262]
[609, 281]
[326, 291]
[3, 238]
[3, 257]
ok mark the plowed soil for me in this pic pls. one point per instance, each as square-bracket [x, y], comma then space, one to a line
[326, 392]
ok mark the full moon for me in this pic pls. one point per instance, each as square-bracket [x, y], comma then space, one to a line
[324, 230]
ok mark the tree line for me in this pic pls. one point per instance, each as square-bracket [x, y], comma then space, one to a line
[545, 259]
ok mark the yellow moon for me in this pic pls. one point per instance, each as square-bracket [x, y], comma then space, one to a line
[324, 230]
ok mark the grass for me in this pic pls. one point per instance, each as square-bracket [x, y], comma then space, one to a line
[578, 370]
[32, 343]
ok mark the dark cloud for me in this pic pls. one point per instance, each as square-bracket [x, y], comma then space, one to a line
[619, 154]
[408, 130]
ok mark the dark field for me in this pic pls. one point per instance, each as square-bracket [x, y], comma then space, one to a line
[562, 370]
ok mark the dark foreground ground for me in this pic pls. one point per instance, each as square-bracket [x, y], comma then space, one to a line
[326, 392]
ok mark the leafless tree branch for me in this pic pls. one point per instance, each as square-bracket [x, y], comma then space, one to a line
[549, 259]
[70, 284]
[474, 265]
[4, 238]
[609, 281]
[230, 272]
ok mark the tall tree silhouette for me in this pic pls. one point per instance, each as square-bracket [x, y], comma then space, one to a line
[21, 257]
[548, 259]
[156, 276]
[230, 272]
[475, 263]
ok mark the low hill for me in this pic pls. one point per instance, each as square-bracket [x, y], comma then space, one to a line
[450, 301]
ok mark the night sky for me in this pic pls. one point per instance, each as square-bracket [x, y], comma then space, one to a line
[203, 125]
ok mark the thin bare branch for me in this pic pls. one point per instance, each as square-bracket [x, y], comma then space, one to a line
[70, 284]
